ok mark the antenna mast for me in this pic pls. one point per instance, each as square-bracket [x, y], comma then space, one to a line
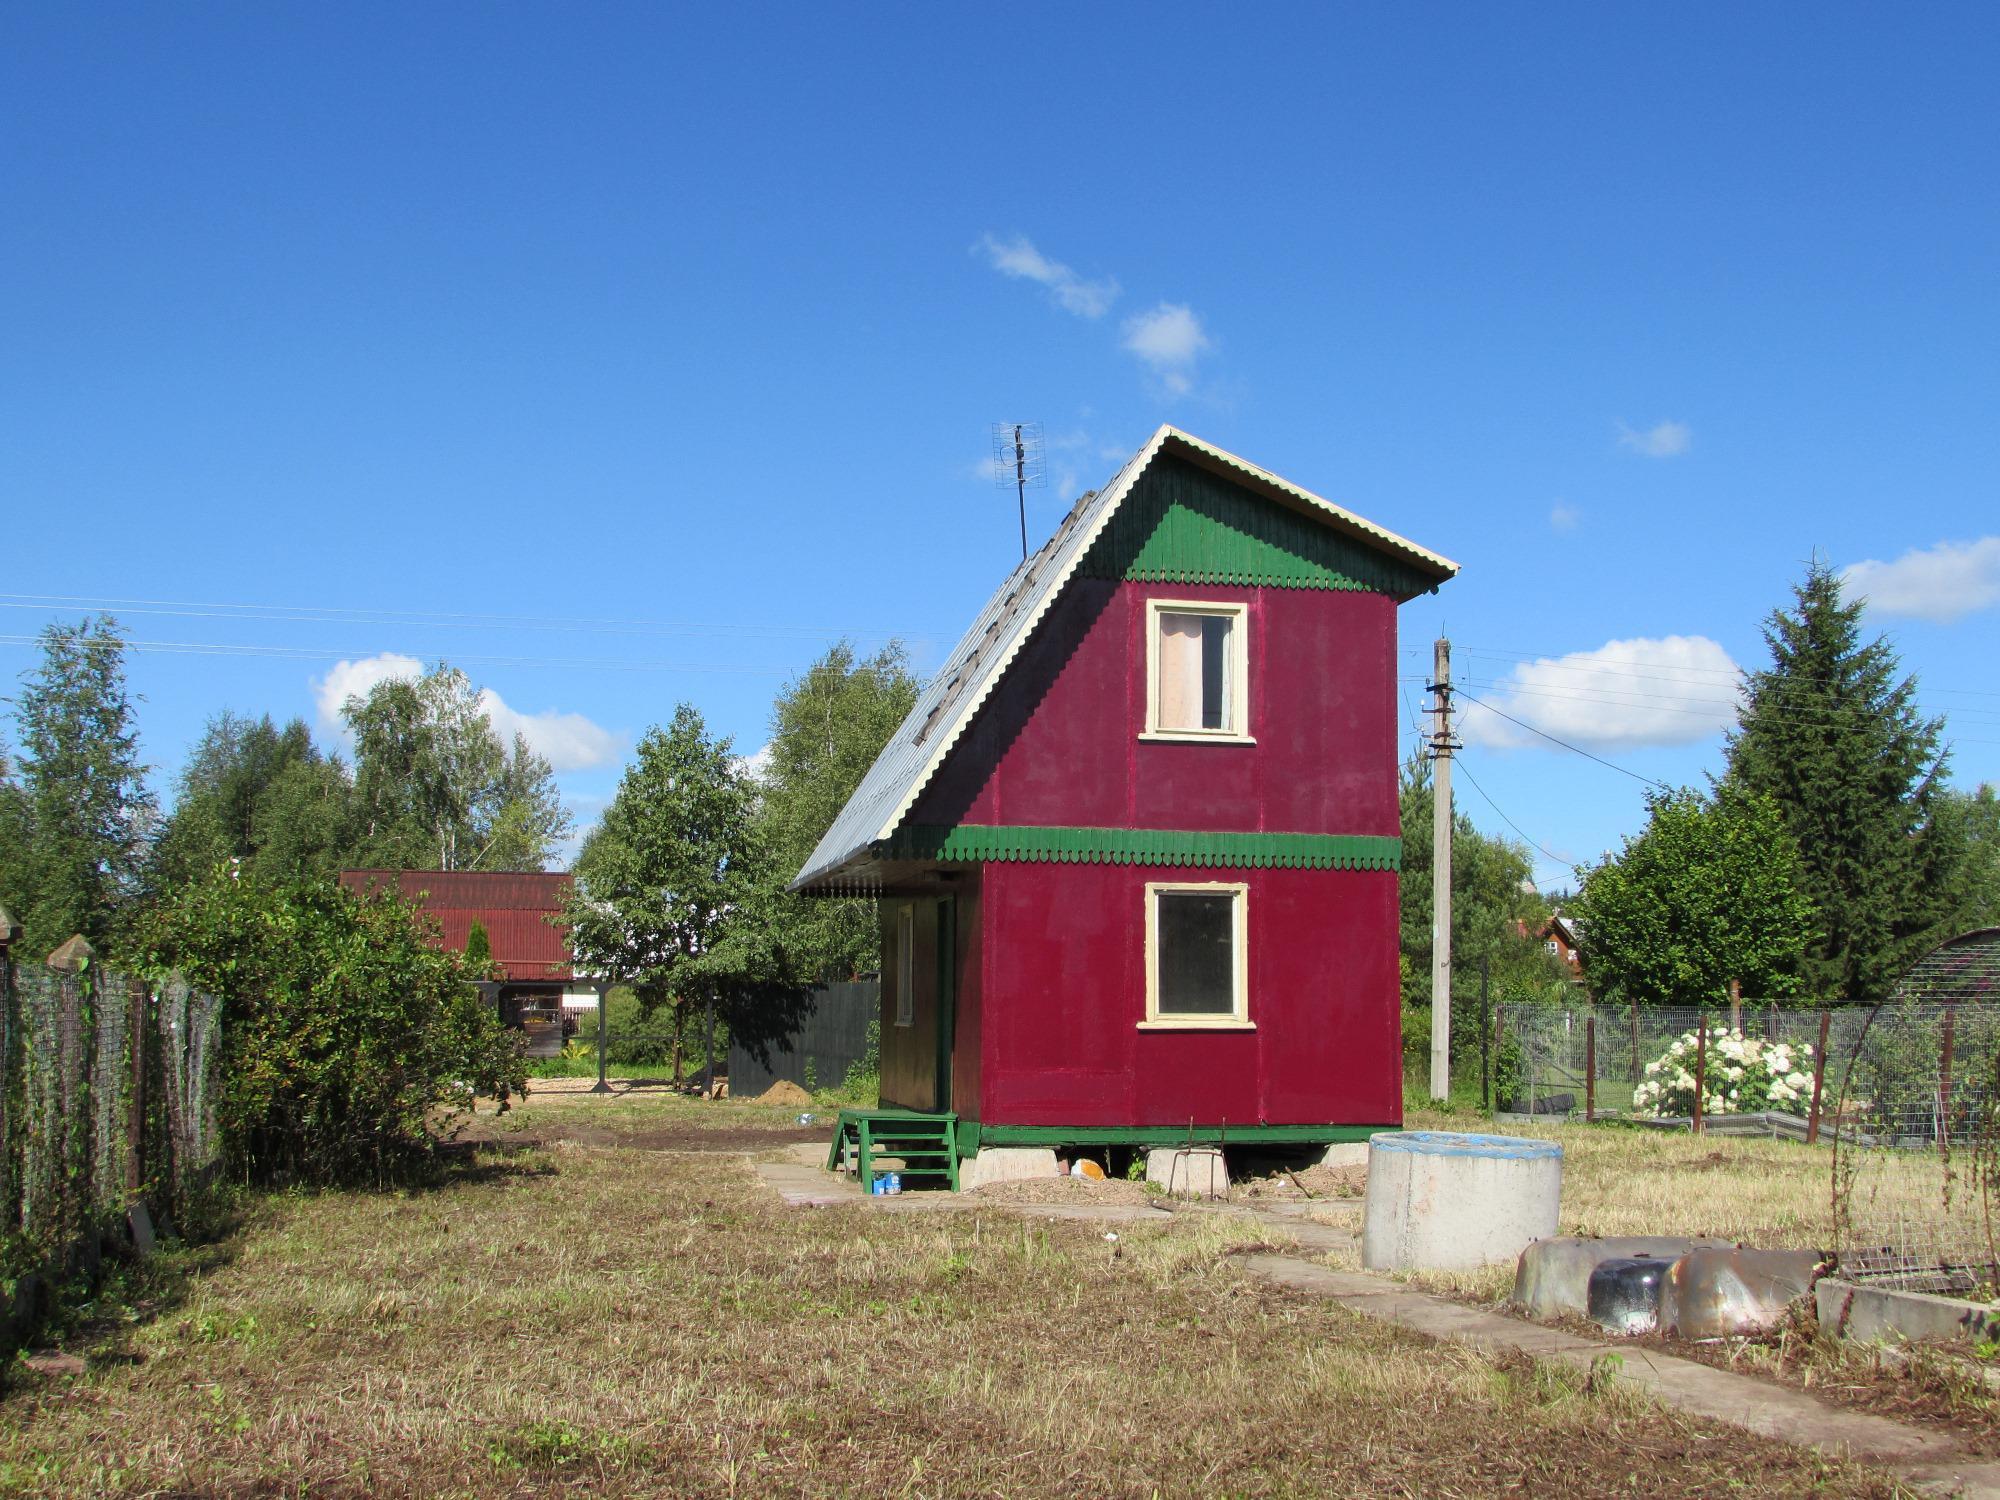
[1019, 460]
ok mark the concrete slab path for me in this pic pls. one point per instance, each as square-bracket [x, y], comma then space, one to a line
[1923, 1460]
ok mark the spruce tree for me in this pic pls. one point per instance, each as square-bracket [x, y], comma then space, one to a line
[1830, 732]
[83, 789]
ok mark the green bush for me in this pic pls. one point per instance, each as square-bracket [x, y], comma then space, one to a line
[348, 1041]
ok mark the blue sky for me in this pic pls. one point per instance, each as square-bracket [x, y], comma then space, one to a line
[626, 355]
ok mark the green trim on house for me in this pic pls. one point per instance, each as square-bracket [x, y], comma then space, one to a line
[1184, 524]
[972, 1135]
[976, 842]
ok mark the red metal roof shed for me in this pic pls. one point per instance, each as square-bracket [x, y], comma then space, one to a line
[514, 905]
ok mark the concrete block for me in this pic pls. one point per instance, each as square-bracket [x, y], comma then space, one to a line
[1193, 1173]
[1346, 1154]
[1883, 1315]
[1552, 1279]
[1712, 1294]
[1005, 1164]
[1438, 1200]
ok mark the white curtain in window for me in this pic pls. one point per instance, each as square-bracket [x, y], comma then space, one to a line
[1180, 671]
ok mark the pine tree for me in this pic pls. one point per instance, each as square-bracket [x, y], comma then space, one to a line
[1831, 734]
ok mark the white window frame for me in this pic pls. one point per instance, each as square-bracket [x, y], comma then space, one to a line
[906, 964]
[1238, 1018]
[1238, 614]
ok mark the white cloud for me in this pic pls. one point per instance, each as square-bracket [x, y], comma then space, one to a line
[1671, 691]
[1935, 583]
[1019, 258]
[757, 763]
[1662, 440]
[1563, 516]
[356, 679]
[569, 742]
[1169, 339]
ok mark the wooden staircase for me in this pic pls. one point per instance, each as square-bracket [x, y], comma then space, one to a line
[924, 1144]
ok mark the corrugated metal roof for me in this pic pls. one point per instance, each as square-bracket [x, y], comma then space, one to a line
[513, 906]
[949, 700]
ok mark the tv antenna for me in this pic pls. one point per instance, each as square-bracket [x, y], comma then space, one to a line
[1019, 460]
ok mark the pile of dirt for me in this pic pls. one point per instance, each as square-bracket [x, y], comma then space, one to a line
[1305, 1182]
[787, 1093]
[1064, 1190]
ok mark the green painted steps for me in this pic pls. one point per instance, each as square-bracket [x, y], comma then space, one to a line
[925, 1144]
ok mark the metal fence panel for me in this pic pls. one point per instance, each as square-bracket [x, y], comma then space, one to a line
[830, 1041]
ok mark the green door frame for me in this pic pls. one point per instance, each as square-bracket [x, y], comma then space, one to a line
[947, 997]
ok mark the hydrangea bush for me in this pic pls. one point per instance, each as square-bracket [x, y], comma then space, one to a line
[1745, 1074]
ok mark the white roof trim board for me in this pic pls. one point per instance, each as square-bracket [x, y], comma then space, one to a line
[988, 648]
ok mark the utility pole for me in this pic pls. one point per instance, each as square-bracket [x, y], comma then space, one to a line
[1442, 746]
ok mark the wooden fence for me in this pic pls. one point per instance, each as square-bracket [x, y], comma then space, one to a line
[108, 1128]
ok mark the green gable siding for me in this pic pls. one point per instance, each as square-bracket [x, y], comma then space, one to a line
[1184, 524]
[973, 842]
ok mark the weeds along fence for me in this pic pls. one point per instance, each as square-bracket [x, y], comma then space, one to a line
[107, 1100]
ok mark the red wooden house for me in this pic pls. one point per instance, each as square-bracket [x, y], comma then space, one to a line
[1137, 842]
[530, 954]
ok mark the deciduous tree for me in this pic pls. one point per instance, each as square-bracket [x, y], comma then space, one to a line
[1711, 891]
[436, 789]
[827, 727]
[670, 887]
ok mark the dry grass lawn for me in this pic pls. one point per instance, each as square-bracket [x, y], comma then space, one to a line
[564, 1316]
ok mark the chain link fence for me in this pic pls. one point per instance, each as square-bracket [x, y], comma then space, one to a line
[107, 1099]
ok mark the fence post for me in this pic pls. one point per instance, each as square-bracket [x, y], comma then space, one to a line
[138, 996]
[10, 1202]
[1944, 1085]
[603, 988]
[1485, 1039]
[1635, 1043]
[1590, 1067]
[1700, 1069]
[1819, 1076]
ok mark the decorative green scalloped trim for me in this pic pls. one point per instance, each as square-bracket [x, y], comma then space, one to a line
[1186, 525]
[969, 843]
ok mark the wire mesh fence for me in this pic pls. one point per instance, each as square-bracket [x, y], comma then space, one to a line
[1668, 1064]
[1905, 1094]
[106, 1099]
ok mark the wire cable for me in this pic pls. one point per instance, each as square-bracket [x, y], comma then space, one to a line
[1553, 858]
[1621, 770]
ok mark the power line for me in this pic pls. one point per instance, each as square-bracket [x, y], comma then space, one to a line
[327, 653]
[1648, 780]
[452, 619]
[1535, 843]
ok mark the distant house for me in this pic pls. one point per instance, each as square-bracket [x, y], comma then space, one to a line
[1560, 936]
[531, 954]
[1137, 843]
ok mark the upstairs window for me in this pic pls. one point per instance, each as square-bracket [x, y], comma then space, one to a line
[1196, 969]
[1197, 660]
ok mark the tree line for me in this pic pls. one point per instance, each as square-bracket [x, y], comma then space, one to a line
[85, 847]
[1829, 853]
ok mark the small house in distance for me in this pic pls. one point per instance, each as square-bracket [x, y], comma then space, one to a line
[535, 987]
[1137, 842]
